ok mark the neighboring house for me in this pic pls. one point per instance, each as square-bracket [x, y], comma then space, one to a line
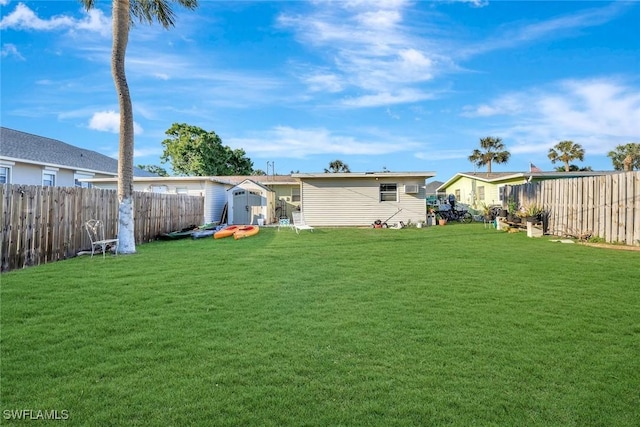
[35, 160]
[475, 188]
[214, 189]
[359, 199]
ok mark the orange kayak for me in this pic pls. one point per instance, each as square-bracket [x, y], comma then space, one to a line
[246, 231]
[226, 232]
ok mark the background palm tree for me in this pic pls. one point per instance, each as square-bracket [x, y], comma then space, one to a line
[337, 166]
[493, 150]
[626, 157]
[565, 152]
[123, 13]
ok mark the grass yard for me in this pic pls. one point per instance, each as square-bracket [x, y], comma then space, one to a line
[457, 325]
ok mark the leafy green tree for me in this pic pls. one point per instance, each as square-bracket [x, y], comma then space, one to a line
[565, 152]
[573, 168]
[492, 151]
[158, 170]
[193, 151]
[337, 166]
[626, 157]
[124, 12]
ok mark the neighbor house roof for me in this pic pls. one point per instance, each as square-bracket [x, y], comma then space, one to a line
[497, 177]
[28, 148]
[354, 175]
[230, 180]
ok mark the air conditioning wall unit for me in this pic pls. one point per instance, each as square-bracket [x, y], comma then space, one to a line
[411, 189]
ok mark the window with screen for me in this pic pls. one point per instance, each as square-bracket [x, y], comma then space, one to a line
[388, 192]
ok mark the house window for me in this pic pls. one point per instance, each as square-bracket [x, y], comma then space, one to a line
[295, 194]
[5, 175]
[78, 176]
[158, 188]
[481, 192]
[48, 179]
[458, 194]
[388, 192]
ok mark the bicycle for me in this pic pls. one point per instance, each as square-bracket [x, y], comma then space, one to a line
[456, 215]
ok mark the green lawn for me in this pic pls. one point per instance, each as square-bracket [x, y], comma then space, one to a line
[457, 325]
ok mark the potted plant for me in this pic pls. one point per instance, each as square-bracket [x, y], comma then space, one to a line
[486, 212]
[533, 213]
[441, 220]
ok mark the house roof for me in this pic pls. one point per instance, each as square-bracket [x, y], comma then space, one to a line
[497, 177]
[354, 175]
[433, 186]
[28, 148]
[260, 179]
[229, 180]
[247, 180]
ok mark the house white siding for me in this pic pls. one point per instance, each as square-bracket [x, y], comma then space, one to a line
[215, 198]
[356, 201]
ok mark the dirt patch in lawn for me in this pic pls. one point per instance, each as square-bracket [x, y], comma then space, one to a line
[618, 247]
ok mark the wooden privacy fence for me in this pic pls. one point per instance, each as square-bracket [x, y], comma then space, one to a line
[44, 224]
[605, 206]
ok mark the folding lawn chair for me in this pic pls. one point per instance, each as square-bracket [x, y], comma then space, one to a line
[299, 222]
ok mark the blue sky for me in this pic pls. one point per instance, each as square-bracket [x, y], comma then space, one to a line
[401, 85]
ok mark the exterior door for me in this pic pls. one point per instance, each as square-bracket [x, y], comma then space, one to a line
[240, 207]
[247, 206]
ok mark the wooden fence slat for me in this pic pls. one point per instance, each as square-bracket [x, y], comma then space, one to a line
[606, 206]
[44, 224]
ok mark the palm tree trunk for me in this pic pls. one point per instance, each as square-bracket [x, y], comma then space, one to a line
[627, 162]
[121, 23]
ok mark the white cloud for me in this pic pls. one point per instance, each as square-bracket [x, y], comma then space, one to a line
[324, 82]
[513, 35]
[10, 49]
[596, 113]
[285, 141]
[386, 98]
[23, 18]
[109, 121]
[368, 48]
[144, 152]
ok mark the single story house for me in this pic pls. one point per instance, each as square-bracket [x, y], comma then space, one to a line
[476, 188]
[327, 199]
[359, 199]
[36, 160]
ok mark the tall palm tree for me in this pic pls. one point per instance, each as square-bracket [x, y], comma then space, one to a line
[626, 157]
[565, 152]
[493, 150]
[337, 166]
[123, 13]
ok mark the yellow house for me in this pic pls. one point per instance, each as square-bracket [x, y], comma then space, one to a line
[477, 188]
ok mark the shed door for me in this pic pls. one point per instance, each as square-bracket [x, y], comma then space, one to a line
[247, 206]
